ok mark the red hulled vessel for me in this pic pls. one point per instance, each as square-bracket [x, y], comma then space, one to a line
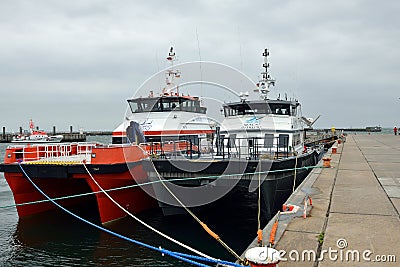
[72, 172]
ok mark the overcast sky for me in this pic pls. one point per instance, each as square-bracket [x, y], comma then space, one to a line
[76, 62]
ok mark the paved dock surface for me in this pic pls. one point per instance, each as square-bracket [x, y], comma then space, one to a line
[355, 208]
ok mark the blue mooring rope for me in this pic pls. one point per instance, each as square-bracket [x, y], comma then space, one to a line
[181, 256]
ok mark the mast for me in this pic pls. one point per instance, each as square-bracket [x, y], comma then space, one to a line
[31, 126]
[266, 80]
[171, 73]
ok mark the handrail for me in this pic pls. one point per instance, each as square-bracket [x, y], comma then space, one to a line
[225, 147]
[47, 151]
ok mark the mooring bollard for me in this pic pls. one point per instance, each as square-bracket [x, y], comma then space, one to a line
[327, 162]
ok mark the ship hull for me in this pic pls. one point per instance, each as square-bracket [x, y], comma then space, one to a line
[24, 192]
[275, 188]
[66, 181]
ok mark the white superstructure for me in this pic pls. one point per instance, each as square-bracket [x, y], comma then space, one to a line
[168, 115]
[270, 126]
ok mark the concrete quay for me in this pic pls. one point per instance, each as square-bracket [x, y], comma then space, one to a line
[354, 219]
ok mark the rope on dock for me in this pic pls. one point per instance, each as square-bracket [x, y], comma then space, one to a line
[274, 228]
[153, 182]
[181, 256]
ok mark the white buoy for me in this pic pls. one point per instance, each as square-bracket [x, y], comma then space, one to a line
[262, 256]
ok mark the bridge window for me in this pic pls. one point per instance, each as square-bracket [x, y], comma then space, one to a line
[280, 109]
[246, 109]
[166, 104]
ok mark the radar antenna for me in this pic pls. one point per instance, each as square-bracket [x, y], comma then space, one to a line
[266, 81]
[171, 73]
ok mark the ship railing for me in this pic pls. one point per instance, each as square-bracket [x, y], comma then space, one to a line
[120, 145]
[54, 151]
[223, 148]
[172, 148]
[45, 151]
[253, 148]
[318, 135]
[86, 148]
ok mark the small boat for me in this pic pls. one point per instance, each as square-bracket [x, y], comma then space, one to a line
[36, 136]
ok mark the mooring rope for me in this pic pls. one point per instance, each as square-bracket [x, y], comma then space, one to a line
[205, 227]
[144, 223]
[181, 256]
[295, 174]
[259, 230]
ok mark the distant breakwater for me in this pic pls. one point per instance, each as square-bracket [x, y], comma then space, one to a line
[69, 136]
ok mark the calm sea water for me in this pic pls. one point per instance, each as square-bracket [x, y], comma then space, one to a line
[57, 239]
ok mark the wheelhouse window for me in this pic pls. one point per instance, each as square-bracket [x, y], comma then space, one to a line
[246, 109]
[280, 109]
[293, 111]
[144, 105]
[162, 104]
